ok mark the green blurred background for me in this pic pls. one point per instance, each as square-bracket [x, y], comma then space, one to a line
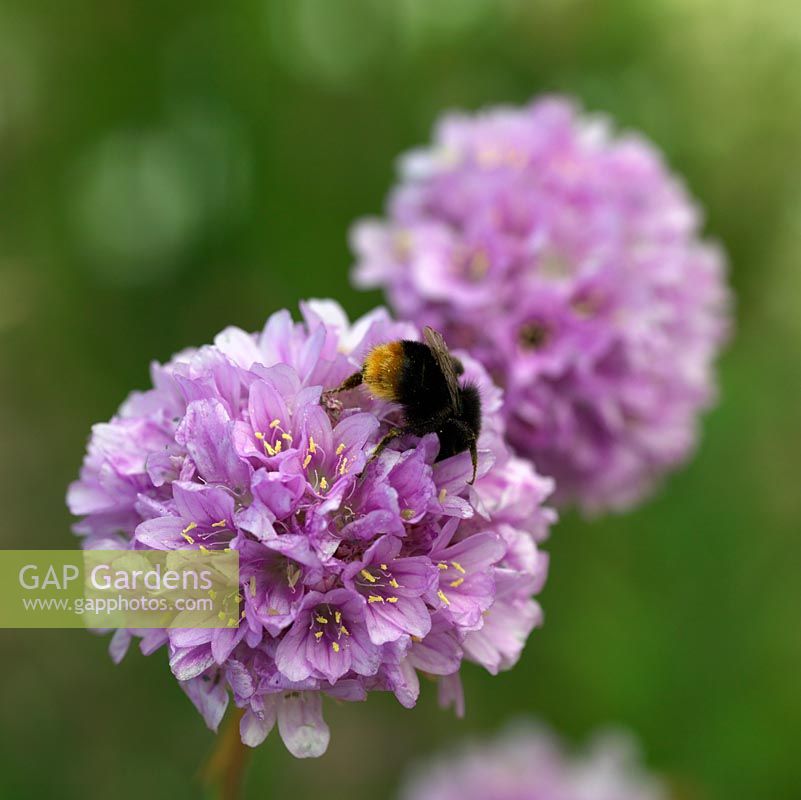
[167, 169]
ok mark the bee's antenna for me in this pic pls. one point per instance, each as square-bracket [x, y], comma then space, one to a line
[474, 459]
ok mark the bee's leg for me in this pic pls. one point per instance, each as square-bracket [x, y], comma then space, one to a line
[474, 459]
[349, 383]
[393, 433]
[328, 397]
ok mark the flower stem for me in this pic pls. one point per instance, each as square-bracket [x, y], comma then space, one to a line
[224, 772]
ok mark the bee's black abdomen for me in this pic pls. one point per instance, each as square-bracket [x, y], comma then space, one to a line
[458, 433]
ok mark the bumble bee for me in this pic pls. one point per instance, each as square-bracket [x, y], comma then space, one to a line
[423, 378]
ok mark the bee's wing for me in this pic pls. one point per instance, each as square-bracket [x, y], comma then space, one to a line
[446, 363]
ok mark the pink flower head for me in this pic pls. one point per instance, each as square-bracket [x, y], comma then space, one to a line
[569, 263]
[528, 763]
[355, 572]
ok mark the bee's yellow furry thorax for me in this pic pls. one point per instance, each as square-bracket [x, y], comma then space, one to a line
[382, 368]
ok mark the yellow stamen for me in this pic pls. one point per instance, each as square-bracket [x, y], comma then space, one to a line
[190, 527]
[293, 574]
[232, 622]
[275, 423]
[442, 566]
[368, 576]
[401, 243]
[341, 449]
[442, 596]
[394, 584]
[318, 635]
[335, 646]
[337, 617]
[384, 567]
[188, 537]
[343, 630]
[442, 495]
[479, 265]
[312, 445]
[392, 599]
[321, 619]
[221, 524]
[458, 567]
[205, 550]
[259, 435]
[344, 466]
[307, 461]
[252, 585]
[287, 437]
[323, 483]
[457, 583]
[374, 598]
